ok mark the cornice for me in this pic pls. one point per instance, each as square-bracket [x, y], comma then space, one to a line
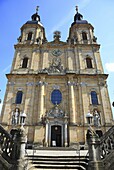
[56, 75]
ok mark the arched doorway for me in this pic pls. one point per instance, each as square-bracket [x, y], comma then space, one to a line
[56, 136]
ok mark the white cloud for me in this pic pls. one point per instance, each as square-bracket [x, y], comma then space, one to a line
[4, 70]
[109, 67]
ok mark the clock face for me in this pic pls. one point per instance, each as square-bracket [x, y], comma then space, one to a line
[56, 52]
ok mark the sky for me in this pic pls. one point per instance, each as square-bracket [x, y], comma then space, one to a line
[56, 15]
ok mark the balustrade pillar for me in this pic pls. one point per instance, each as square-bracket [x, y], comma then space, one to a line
[19, 144]
[93, 141]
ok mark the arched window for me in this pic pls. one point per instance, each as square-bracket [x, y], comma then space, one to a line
[88, 62]
[25, 62]
[94, 98]
[29, 36]
[19, 97]
[56, 97]
[84, 36]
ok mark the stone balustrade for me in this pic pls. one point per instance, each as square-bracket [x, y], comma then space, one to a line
[6, 144]
[107, 143]
[12, 147]
[101, 150]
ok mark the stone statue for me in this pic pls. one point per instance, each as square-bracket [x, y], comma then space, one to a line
[78, 17]
[15, 117]
[96, 118]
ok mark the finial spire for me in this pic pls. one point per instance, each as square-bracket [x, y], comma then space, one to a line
[37, 8]
[77, 8]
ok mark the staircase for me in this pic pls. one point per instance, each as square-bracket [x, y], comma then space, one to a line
[57, 158]
[40, 158]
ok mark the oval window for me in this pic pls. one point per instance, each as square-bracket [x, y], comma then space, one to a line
[56, 97]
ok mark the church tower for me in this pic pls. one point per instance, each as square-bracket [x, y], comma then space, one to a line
[60, 87]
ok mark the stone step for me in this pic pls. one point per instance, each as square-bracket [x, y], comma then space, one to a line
[45, 159]
[56, 152]
[55, 158]
[78, 167]
[50, 168]
[60, 160]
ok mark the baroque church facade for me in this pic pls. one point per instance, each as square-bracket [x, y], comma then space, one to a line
[59, 87]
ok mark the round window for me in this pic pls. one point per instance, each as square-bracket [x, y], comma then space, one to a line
[56, 97]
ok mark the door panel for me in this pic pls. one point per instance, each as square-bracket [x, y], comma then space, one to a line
[56, 136]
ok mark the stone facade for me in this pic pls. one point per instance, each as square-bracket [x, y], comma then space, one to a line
[56, 84]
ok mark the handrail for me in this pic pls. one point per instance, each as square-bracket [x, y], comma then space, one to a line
[7, 145]
[107, 143]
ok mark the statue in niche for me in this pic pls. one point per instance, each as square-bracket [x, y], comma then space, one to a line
[15, 117]
[97, 120]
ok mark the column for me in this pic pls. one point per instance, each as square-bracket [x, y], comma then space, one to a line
[41, 110]
[46, 134]
[72, 106]
[66, 133]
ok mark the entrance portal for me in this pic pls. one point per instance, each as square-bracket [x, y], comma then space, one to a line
[56, 136]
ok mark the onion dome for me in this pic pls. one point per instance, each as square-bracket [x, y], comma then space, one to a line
[36, 17]
[78, 18]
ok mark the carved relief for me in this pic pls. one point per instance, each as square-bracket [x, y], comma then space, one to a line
[56, 112]
[55, 66]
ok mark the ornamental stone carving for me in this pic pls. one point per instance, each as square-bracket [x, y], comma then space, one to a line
[55, 112]
[55, 66]
[56, 52]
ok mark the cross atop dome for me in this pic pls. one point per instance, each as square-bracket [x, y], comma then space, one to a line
[37, 8]
[77, 8]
